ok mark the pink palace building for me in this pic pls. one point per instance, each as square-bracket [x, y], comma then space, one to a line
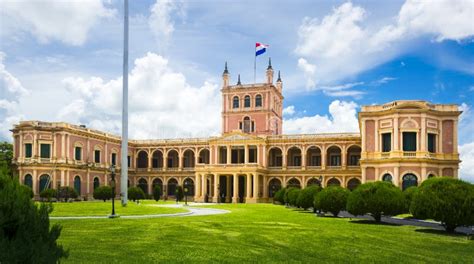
[403, 142]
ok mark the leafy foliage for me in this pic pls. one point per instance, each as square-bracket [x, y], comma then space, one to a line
[306, 197]
[447, 200]
[27, 190]
[408, 197]
[135, 194]
[156, 193]
[293, 194]
[25, 233]
[6, 157]
[67, 192]
[332, 199]
[280, 196]
[103, 193]
[48, 194]
[179, 193]
[377, 199]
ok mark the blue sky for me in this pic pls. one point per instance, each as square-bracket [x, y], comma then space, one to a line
[61, 60]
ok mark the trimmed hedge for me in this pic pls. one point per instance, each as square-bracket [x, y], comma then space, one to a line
[332, 199]
[48, 194]
[156, 193]
[103, 193]
[306, 197]
[280, 196]
[408, 197]
[447, 200]
[293, 194]
[136, 194]
[377, 199]
[67, 192]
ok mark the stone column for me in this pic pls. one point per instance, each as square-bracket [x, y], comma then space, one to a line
[216, 189]
[249, 187]
[265, 188]
[204, 185]
[344, 157]
[197, 180]
[396, 176]
[63, 145]
[180, 162]
[324, 157]
[235, 197]
[35, 182]
[165, 160]
[150, 159]
[255, 187]
[228, 183]
[395, 134]
[229, 154]
[20, 147]
[303, 158]
[62, 177]
[246, 154]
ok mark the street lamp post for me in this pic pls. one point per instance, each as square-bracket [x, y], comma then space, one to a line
[112, 184]
[186, 194]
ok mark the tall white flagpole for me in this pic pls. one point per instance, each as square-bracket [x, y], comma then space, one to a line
[124, 162]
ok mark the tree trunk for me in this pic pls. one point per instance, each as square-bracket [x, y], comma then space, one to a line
[449, 227]
[377, 217]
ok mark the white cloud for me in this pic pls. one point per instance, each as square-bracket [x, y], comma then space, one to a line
[340, 46]
[160, 21]
[161, 102]
[47, 20]
[290, 110]
[308, 70]
[466, 152]
[383, 80]
[343, 118]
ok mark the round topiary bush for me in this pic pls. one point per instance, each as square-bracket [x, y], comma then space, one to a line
[447, 200]
[293, 194]
[25, 232]
[285, 195]
[135, 194]
[279, 196]
[48, 194]
[408, 197]
[156, 193]
[103, 193]
[306, 197]
[332, 199]
[67, 192]
[377, 199]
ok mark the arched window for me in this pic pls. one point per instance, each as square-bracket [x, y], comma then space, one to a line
[333, 182]
[45, 183]
[431, 175]
[353, 183]
[247, 101]
[247, 124]
[235, 102]
[273, 186]
[77, 185]
[143, 184]
[28, 181]
[409, 180]
[189, 186]
[96, 183]
[387, 177]
[172, 184]
[294, 183]
[258, 101]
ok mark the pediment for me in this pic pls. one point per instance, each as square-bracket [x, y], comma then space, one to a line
[237, 136]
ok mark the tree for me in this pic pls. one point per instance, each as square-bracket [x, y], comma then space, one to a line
[280, 196]
[67, 192]
[103, 193]
[332, 199]
[377, 199]
[135, 194]
[48, 194]
[408, 197]
[306, 196]
[293, 194]
[179, 193]
[447, 200]
[25, 232]
[285, 195]
[27, 190]
[156, 193]
[6, 158]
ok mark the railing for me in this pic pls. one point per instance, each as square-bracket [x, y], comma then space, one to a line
[313, 167]
[172, 169]
[411, 154]
[157, 169]
[188, 168]
[274, 167]
[142, 169]
[385, 155]
[294, 167]
[334, 167]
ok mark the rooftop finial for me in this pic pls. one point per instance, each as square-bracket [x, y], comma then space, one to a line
[238, 81]
[225, 69]
[269, 64]
[279, 78]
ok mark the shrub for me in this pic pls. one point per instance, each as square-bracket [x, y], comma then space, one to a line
[67, 192]
[156, 193]
[279, 196]
[408, 197]
[179, 193]
[377, 199]
[135, 194]
[447, 200]
[25, 232]
[332, 199]
[293, 194]
[48, 194]
[27, 190]
[306, 197]
[103, 193]
[285, 195]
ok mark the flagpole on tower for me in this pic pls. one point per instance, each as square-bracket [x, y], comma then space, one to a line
[255, 69]
[124, 160]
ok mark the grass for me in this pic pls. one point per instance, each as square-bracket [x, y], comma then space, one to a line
[100, 208]
[263, 233]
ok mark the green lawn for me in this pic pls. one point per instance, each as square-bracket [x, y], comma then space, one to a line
[98, 208]
[261, 233]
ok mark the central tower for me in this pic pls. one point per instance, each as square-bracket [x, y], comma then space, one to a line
[252, 108]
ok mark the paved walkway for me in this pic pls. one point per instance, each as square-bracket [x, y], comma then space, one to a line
[193, 210]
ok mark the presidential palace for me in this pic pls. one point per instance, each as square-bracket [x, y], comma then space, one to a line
[403, 142]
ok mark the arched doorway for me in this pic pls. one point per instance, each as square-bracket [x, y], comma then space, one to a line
[142, 159]
[204, 156]
[353, 183]
[294, 157]
[387, 177]
[353, 156]
[157, 160]
[173, 159]
[293, 182]
[143, 184]
[409, 180]
[313, 156]
[189, 185]
[333, 182]
[275, 157]
[273, 186]
[44, 182]
[77, 185]
[28, 181]
[334, 156]
[96, 183]
[172, 184]
[157, 182]
[188, 159]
